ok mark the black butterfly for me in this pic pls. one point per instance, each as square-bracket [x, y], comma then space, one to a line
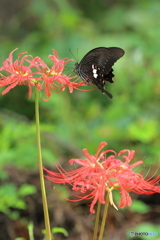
[96, 66]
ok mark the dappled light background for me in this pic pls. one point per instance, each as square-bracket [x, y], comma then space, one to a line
[71, 122]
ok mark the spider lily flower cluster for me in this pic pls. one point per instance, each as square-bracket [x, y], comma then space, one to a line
[99, 175]
[30, 71]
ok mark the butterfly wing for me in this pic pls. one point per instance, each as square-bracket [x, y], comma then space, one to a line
[96, 66]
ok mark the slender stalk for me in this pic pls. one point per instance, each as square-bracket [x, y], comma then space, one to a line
[104, 217]
[30, 231]
[43, 191]
[97, 221]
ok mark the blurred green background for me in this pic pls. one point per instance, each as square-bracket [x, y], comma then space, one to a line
[71, 122]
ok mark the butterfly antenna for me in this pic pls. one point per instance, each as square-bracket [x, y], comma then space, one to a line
[77, 54]
[73, 54]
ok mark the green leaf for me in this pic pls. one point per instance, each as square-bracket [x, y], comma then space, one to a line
[139, 206]
[26, 189]
[60, 230]
[57, 230]
[19, 238]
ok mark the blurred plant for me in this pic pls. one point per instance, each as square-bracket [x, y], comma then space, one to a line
[56, 230]
[18, 139]
[19, 238]
[13, 198]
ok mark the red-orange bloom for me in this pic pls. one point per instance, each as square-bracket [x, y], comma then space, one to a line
[99, 174]
[53, 78]
[17, 73]
[30, 71]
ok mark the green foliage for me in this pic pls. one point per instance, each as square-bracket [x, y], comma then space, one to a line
[140, 207]
[60, 230]
[57, 230]
[20, 238]
[18, 143]
[30, 231]
[11, 197]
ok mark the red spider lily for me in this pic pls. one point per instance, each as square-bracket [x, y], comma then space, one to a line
[34, 72]
[99, 174]
[18, 73]
[53, 78]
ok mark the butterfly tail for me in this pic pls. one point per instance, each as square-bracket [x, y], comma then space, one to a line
[107, 93]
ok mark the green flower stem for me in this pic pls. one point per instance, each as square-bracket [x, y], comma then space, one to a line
[97, 221]
[44, 199]
[30, 231]
[104, 217]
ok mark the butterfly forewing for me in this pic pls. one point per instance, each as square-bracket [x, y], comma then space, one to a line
[96, 66]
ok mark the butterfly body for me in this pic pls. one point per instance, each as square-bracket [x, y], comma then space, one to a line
[96, 66]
